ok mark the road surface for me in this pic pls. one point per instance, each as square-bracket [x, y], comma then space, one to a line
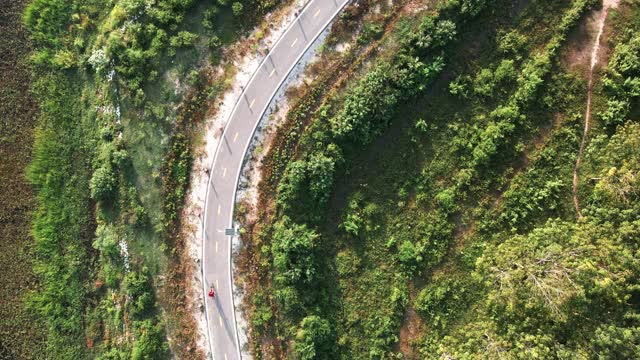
[227, 163]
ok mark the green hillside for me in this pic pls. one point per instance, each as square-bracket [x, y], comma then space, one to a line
[424, 206]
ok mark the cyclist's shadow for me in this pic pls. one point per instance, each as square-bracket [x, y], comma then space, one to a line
[225, 321]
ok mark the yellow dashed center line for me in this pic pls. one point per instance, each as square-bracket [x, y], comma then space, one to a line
[271, 73]
[220, 320]
[224, 172]
[252, 102]
[218, 209]
[217, 286]
[225, 356]
[216, 246]
[235, 137]
[294, 42]
[317, 13]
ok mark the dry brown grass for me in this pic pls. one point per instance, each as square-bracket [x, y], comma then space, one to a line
[21, 336]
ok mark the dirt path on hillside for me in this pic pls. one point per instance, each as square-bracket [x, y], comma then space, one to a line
[601, 17]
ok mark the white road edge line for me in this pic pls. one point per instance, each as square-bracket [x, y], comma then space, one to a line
[204, 285]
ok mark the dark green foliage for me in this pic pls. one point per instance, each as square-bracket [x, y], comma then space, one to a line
[182, 39]
[371, 104]
[440, 302]
[103, 183]
[622, 82]
[463, 206]
[368, 108]
[140, 294]
[237, 8]
[293, 253]
[545, 290]
[364, 112]
[307, 183]
[263, 313]
[178, 167]
[370, 32]
[150, 341]
[47, 19]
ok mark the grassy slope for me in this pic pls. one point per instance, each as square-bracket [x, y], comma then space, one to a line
[21, 334]
[383, 184]
[394, 180]
[413, 212]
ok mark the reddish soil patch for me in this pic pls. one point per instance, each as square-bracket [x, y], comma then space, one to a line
[594, 59]
[409, 332]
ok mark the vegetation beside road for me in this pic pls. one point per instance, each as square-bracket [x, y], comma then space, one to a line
[123, 88]
[428, 213]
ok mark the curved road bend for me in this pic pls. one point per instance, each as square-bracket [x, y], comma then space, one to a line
[227, 163]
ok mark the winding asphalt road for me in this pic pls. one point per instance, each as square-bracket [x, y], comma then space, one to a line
[227, 163]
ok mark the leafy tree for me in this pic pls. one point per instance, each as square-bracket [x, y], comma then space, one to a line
[289, 300]
[368, 107]
[106, 241]
[513, 43]
[149, 341]
[441, 301]
[321, 168]
[47, 21]
[237, 8]
[622, 81]
[183, 39]
[409, 256]
[293, 250]
[103, 183]
[472, 8]
[484, 83]
[138, 289]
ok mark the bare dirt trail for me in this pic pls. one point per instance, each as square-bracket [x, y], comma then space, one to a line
[601, 17]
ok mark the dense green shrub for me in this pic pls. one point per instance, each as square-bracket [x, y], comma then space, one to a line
[103, 183]
[293, 250]
[150, 341]
[441, 301]
[140, 293]
[47, 21]
[306, 185]
[237, 8]
[313, 339]
[622, 82]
